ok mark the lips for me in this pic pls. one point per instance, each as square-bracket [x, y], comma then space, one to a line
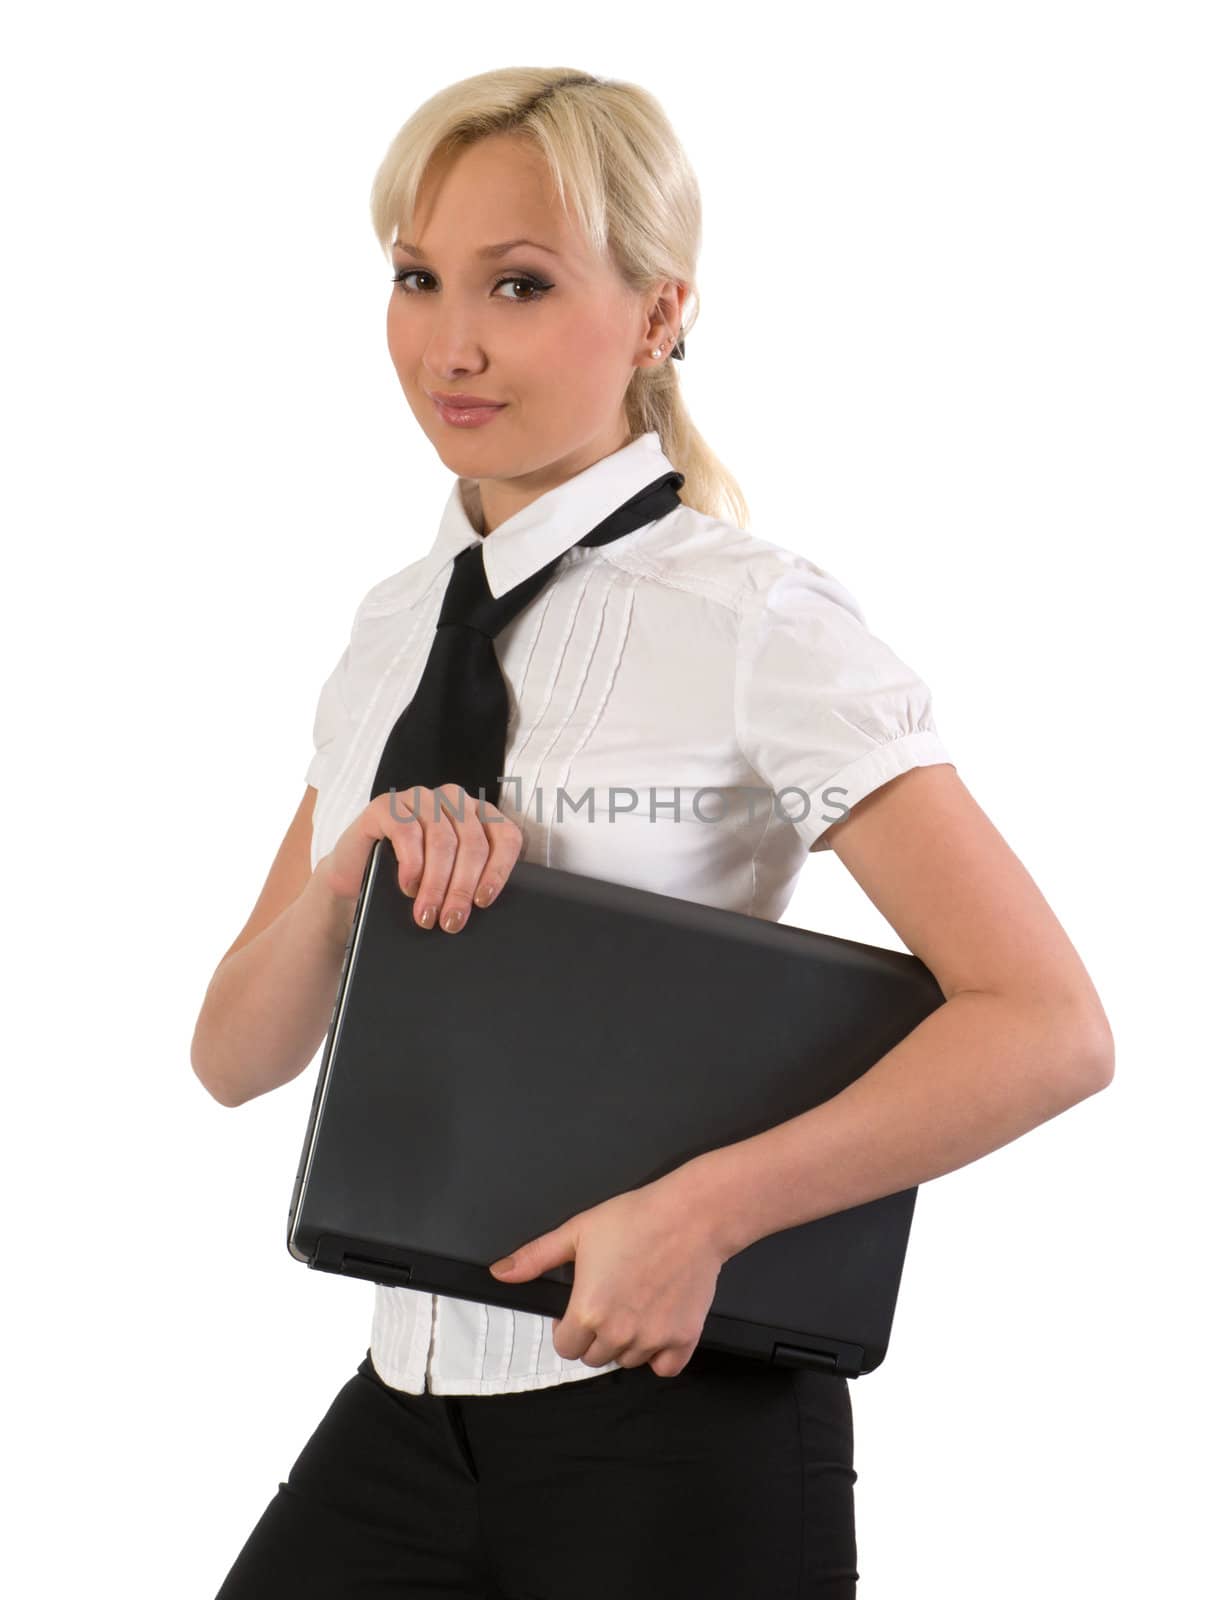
[468, 416]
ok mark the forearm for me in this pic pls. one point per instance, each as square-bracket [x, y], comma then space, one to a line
[974, 1075]
[268, 1005]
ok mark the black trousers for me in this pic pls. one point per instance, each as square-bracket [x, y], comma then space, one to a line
[732, 1479]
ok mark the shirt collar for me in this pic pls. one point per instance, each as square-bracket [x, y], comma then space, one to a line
[552, 522]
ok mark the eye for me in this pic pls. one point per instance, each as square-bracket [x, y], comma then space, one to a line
[538, 288]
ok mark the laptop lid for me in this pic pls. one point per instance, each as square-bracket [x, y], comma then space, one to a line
[578, 1039]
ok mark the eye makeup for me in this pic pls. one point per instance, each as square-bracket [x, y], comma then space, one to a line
[538, 286]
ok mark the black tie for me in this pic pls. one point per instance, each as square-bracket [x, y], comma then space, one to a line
[455, 727]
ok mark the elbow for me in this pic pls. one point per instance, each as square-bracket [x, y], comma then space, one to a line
[1106, 1061]
[1092, 1056]
[216, 1091]
[213, 1086]
[222, 1096]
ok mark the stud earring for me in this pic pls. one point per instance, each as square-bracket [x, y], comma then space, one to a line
[677, 351]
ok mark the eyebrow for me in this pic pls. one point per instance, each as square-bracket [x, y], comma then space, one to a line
[484, 251]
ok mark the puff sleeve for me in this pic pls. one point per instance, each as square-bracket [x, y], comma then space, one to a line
[328, 722]
[823, 705]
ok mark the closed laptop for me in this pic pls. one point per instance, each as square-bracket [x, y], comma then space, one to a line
[576, 1040]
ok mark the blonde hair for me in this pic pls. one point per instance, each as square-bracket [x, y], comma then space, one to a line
[619, 169]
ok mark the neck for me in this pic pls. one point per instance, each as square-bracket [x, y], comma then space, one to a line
[491, 501]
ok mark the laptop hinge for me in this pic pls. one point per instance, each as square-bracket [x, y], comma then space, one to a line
[796, 1355]
[356, 1266]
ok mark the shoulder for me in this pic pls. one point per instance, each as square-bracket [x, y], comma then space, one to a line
[395, 591]
[728, 565]
[389, 596]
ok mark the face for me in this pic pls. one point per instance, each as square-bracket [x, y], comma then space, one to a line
[544, 328]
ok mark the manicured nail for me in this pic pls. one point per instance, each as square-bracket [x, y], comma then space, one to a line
[452, 921]
[426, 916]
[485, 894]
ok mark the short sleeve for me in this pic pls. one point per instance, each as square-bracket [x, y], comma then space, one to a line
[329, 721]
[825, 711]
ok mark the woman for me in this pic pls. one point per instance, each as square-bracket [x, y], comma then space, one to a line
[544, 228]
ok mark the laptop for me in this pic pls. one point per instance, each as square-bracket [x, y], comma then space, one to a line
[580, 1038]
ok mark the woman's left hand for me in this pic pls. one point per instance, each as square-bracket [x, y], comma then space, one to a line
[645, 1268]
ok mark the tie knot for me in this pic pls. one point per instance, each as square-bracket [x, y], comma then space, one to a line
[469, 602]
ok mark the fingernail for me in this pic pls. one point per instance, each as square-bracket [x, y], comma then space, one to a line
[452, 921]
[426, 916]
[485, 894]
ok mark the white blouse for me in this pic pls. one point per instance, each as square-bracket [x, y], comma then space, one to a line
[691, 707]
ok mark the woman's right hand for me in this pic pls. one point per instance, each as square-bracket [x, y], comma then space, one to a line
[445, 862]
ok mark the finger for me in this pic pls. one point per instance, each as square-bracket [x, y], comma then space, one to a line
[440, 849]
[470, 858]
[405, 834]
[626, 1354]
[504, 849]
[347, 863]
[670, 1361]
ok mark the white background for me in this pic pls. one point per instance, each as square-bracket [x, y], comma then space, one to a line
[964, 342]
